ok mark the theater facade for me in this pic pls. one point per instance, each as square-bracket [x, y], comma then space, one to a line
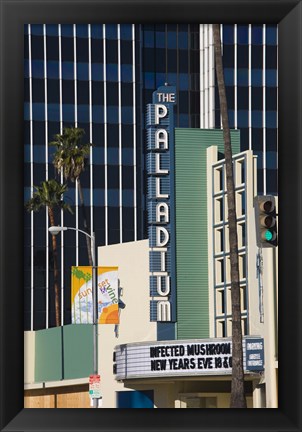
[182, 358]
[172, 347]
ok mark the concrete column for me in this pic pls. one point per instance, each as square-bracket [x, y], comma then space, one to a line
[257, 395]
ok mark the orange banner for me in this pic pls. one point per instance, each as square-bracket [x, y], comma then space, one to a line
[107, 295]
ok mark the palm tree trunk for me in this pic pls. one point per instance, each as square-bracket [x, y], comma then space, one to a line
[237, 389]
[55, 269]
[88, 242]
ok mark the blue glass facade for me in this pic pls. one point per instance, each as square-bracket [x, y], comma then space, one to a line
[171, 54]
[98, 78]
[250, 60]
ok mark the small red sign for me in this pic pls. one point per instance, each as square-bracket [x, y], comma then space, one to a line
[94, 379]
[95, 386]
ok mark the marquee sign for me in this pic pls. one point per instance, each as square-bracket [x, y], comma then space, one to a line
[160, 157]
[179, 358]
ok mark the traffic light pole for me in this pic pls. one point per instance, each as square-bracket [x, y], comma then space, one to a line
[270, 318]
[267, 241]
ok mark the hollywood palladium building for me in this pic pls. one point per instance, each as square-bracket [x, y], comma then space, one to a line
[101, 78]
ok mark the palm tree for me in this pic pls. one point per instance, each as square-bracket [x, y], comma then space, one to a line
[69, 159]
[238, 399]
[49, 195]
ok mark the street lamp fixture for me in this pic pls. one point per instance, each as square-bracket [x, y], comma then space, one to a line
[55, 230]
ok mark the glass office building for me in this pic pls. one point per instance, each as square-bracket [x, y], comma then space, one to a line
[100, 78]
[250, 58]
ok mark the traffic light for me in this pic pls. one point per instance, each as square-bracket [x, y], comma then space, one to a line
[266, 221]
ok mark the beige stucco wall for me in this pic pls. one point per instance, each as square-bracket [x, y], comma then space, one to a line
[267, 326]
[29, 357]
[133, 261]
[255, 326]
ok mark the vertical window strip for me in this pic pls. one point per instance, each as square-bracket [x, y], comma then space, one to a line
[177, 75]
[105, 135]
[134, 133]
[141, 131]
[206, 75]
[76, 125]
[211, 78]
[221, 38]
[264, 108]
[90, 131]
[189, 74]
[201, 77]
[277, 107]
[31, 184]
[120, 130]
[250, 87]
[235, 78]
[46, 177]
[166, 51]
[62, 177]
[60, 80]
[46, 102]
[75, 75]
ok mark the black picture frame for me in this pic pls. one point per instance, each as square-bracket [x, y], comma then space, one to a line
[16, 13]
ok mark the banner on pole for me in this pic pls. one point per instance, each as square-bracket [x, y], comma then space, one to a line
[107, 295]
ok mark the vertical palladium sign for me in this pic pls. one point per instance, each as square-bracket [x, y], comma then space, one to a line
[161, 226]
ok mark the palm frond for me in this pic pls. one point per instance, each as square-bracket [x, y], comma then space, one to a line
[71, 153]
[48, 194]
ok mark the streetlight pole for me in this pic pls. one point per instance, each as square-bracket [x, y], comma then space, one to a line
[54, 230]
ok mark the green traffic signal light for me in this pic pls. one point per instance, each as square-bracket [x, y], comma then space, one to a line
[268, 235]
[265, 218]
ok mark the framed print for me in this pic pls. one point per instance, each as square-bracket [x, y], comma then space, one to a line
[136, 80]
